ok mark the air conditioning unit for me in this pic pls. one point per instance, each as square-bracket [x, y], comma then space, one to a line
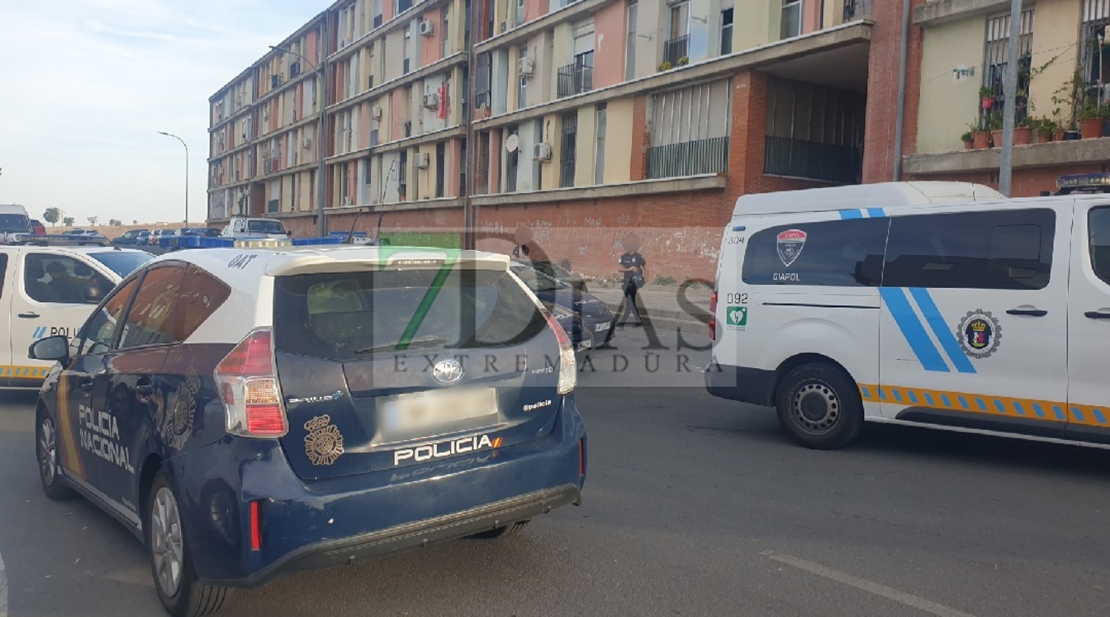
[306, 143]
[422, 160]
[431, 100]
[503, 26]
[376, 112]
[427, 28]
[527, 66]
[542, 151]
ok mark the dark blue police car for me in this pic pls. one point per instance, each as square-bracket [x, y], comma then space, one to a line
[249, 413]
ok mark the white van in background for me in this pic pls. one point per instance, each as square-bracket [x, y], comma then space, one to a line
[254, 226]
[927, 304]
[13, 220]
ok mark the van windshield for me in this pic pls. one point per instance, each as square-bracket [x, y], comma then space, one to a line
[265, 227]
[16, 223]
[348, 315]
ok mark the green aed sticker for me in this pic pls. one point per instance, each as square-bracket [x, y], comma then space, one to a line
[737, 316]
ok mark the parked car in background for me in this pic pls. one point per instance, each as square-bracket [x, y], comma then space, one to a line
[13, 221]
[132, 237]
[158, 233]
[38, 228]
[586, 318]
[248, 226]
[81, 232]
[205, 232]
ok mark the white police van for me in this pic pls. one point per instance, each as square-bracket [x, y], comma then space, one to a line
[49, 286]
[922, 303]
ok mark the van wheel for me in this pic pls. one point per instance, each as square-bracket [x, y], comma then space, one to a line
[819, 405]
[46, 451]
[170, 560]
[502, 532]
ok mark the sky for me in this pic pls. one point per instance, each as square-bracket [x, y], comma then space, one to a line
[85, 86]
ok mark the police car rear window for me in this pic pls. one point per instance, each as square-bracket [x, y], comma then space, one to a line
[343, 316]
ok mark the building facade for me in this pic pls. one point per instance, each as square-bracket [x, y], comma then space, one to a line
[583, 120]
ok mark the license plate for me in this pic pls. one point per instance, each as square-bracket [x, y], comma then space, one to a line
[601, 327]
[420, 412]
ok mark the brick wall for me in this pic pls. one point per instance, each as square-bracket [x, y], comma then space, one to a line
[1025, 182]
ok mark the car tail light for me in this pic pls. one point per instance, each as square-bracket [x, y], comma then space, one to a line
[568, 371]
[713, 317]
[249, 388]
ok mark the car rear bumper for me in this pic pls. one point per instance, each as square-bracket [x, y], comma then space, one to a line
[738, 383]
[312, 524]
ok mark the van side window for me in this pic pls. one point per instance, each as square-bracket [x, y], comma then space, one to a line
[58, 278]
[1004, 249]
[840, 253]
[1098, 228]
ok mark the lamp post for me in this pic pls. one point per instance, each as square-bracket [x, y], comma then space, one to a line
[320, 100]
[186, 172]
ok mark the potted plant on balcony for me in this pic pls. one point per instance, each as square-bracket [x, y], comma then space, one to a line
[1023, 132]
[994, 125]
[981, 137]
[683, 61]
[1091, 117]
[665, 66]
[1044, 130]
[986, 96]
[968, 138]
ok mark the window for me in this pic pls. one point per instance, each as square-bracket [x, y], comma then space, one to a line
[464, 163]
[630, 44]
[445, 36]
[537, 164]
[569, 145]
[441, 168]
[519, 12]
[680, 20]
[402, 175]
[377, 13]
[403, 5]
[522, 93]
[994, 71]
[1094, 54]
[512, 162]
[57, 278]
[97, 334]
[1098, 222]
[201, 294]
[150, 320]
[791, 18]
[344, 183]
[1010, 249]
[691, 114]
[814, 131]
[482, 84]
[599, 151]
[838, 253]
[726, 31]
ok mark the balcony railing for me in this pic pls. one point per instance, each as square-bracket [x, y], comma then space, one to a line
[676, 49]
[689, 158]
[856, 9]
[575, 79]
[808, 159]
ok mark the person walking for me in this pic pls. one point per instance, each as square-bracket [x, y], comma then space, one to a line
[634, 268]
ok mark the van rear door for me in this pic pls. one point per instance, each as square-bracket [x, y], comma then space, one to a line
[392, 367]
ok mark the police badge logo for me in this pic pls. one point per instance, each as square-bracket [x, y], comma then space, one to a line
[979, 334]
[324, 444]
[790, 244]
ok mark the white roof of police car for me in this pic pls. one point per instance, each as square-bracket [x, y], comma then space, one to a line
[880, 195]
[72, 248]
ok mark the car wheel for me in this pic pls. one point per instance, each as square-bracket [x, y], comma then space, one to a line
[820, 406]
[46, 450]
[502, 532]
[170, 560]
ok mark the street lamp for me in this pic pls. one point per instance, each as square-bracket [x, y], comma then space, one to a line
[320, 226]
[186, 172]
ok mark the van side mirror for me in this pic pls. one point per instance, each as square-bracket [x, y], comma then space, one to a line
[51, 349]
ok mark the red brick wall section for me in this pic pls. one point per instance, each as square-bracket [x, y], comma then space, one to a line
[882, 90]
[641, 139]
[1026, 182]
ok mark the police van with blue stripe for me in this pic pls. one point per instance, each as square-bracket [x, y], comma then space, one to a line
[930, 304]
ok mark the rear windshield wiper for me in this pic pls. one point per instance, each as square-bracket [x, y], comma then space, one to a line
[430, 340]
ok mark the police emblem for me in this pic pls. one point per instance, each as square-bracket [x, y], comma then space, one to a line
[790, 244]
[323, 444]
[979, 334]
[177, 413]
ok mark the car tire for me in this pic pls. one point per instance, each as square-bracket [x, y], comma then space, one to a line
[502, 532]
[46, 452]
[820, 406]
[171, 562]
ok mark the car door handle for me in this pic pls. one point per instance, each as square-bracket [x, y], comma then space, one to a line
[1096, 315]
[1028, 312]
[29, 315]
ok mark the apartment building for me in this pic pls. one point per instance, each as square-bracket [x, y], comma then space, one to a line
[584, 120]
[1062, 58]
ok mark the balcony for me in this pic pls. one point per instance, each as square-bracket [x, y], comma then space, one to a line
[688, 158]
[575, 79]
[676, 49]
[812, 160]
[856, 9]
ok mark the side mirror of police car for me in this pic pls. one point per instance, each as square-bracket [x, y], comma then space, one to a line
[51, 349]
[93, 294]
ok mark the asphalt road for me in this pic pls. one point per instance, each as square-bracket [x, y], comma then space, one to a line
[693, 506]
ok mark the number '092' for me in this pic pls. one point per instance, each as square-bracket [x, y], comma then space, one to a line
[736, 298]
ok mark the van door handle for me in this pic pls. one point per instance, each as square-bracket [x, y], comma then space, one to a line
[29, 315]
[1028, 312]
[1096, 315]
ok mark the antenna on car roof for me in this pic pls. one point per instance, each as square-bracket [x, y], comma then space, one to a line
[351, 233]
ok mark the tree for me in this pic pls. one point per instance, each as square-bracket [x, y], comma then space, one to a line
[135, 222]
[115, 222]
[93, 220]
[52, 215]
[67, 221]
